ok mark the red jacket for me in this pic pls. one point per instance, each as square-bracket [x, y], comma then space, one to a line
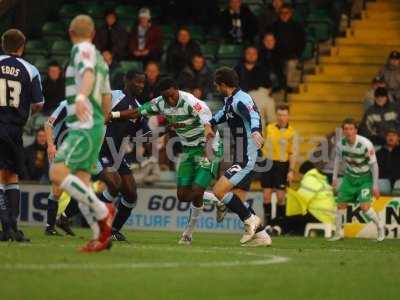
[153, 41]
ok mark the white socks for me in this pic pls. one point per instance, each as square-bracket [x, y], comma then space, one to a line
[195, 212]
[371, 213]
[340, 217]
[90, 219]
[78, 190]
[210, 199]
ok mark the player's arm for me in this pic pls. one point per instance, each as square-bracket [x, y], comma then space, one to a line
[249, 113]
[147, 109]
[106, 102]
[374, 169]
[36, 92]
[81, 100]
[51, 148]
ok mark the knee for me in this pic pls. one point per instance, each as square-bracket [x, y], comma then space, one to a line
[219, 193]
[342, 206]
[183, 196]
[57, 173]
[130, 196]
[365, 207]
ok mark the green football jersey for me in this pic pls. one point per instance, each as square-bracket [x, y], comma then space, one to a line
[85, 56]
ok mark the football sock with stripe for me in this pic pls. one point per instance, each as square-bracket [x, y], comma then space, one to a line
[123, 214]
[13, 196]
[3, 209]
[236, 205]
[210, 199]
[106, 197]
[85, 195]
[195, 212]
[340, 217]
[371, 213]
[52, 208]
[90, 218]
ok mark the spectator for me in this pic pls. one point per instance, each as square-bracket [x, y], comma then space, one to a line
[116, 80]
[238, 22]
[197, 78]
[290, 38]
[151, 90]
[254, 80]
[272, 61]
[145, 42]
[53, 87]
[389, 157]
[269, 16]
[369, 98]
[180, 51]
[379, 117]
[112, 36]
[390, 72]
[36, 161]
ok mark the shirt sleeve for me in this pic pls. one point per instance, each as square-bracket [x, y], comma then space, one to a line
[36, 85]
[248, 111]
[58, 115]
[371, 155]
[150, 108]
[85, 58]
[106, 88]
[200, 109]
[218, 117]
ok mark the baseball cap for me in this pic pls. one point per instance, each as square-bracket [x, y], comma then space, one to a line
[394, 54]
[145, 12]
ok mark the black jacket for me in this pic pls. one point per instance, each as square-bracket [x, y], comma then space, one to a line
[190, 79]
[252, 79]
[377, 119]
[150, 91]
[36, 162]
[178, 56]
[389, 163]
[54, 93]
[291, 39]
[248, 23]
[118, 43]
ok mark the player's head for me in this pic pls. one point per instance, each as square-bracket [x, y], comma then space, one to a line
[13, 42]
[81, 29]
[350, 129]
[381, 96]
[134, 83]
[282, 114]
[226, 80]
[306, 166]
[169, 90]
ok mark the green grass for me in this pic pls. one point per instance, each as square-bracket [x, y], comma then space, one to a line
[153, 266]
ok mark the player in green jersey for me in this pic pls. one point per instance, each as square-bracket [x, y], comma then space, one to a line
[87, 92]
[360, 181]
[187, 115]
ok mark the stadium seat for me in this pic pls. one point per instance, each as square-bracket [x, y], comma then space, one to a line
[209, 50]
[126, 12]
[228, 62]
[320, 25]
[95, 11]
[70, 10]
[54, 29]
[62, 47]
[385, 186]
[326, 228]
[61, 59]
[309, 49]
[128, 23]
[168, 32]
[36, 47]
[396, 188]
[41, 64]
[196, 33]
[128, 65]
[226, 51]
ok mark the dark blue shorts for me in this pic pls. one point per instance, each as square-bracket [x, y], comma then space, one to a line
[240, 175]
[11, 149]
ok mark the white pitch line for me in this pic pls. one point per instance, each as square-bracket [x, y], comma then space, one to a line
[263, 260]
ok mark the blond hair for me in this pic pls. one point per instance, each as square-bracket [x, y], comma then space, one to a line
[82, 26]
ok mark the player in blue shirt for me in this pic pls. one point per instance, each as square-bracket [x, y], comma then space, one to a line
[243, 119]
[20, 91]
[115, 171]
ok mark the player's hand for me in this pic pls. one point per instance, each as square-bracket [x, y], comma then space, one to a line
[82, 110]
[51, 151]
[376, 192]
[108, 118]
[258, 139]
[290, 177]
[208, 132]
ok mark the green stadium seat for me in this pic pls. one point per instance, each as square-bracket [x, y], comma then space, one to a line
[196, 33]
[128, 23]
[126, 12]
[36, 47]
[128, 65]
[228, 62]
[31, 58]
[62, 47]
[61, 59]
[54, 29]
[209, 50]
[168, 32]
[385, 187]
[309, 49]
[226, 51]
[94, 10]
[41, 64]
[396, 188]
[70, 10]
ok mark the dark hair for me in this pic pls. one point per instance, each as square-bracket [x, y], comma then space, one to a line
[306, 166]
[286, 6]
[54, 63]
[228, 76]
[167, 83]
[391, 130]
[110, 12]
[268, 33]
[282, 106]
[350, 121]
[130, 75]
[381, 92]
[197, 54]
[12, 40]
[152, 62]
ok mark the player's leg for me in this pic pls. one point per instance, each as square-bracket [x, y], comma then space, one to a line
[3, 208]
[281, 170]
[365, 199]
[267, 183]
[126, 204]
[52, 209]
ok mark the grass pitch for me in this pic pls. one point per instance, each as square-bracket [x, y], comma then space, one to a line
[154, 266]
